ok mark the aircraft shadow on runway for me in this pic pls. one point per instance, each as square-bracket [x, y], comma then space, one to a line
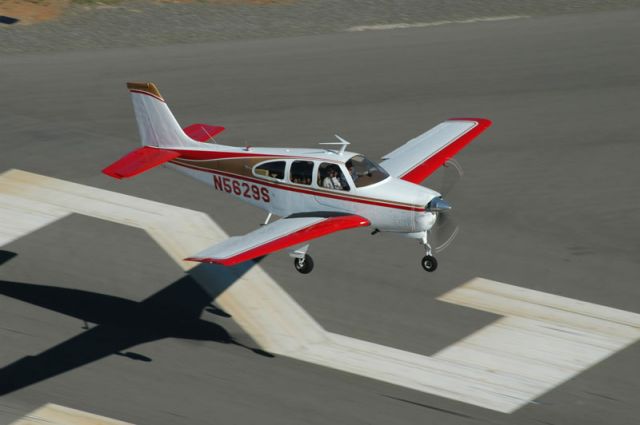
[173, 312]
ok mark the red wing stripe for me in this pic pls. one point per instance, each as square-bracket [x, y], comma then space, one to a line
[431, 164]
[322, 228]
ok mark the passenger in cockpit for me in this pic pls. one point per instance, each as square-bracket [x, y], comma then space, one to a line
[332, 181]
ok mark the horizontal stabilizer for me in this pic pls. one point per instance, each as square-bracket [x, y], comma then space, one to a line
[278, 235]
[139, 161]
[202, 132]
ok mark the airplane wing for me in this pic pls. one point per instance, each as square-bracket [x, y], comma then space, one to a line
[275, 236]
[418, 158]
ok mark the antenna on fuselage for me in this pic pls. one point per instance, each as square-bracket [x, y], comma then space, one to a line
[343, 144]
[210, 139]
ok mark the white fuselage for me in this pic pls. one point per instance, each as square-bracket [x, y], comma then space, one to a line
[391, 205]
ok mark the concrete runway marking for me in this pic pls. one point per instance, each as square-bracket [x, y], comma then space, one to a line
[403, 25]
[55, 414]
[542, 340]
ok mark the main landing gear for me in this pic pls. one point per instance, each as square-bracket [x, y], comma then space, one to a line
[304, 265]
[428, 262]
[302, 261]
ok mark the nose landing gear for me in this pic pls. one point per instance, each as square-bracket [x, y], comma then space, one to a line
[428, 262]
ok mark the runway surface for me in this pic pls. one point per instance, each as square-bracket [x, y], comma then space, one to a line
[549, 202]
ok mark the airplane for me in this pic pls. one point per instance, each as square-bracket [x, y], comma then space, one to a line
[316, 191]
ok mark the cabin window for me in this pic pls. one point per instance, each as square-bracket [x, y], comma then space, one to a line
[301, 172]
[330, 176]
[365, 172]
[273, 169]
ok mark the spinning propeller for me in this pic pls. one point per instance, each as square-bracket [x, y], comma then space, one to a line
[446, 227]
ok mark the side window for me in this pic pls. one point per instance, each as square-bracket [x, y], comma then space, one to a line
[273, 169]
[301, 172]
[330, 177]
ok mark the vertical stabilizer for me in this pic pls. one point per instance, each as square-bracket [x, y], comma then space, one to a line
[156, 124]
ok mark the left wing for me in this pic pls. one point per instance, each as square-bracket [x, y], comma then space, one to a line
[418, 158]
[278, 235]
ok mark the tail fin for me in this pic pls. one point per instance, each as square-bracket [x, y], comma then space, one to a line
[159, 132]
[156, 123]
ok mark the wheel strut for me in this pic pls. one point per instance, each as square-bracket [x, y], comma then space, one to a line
[428, 262]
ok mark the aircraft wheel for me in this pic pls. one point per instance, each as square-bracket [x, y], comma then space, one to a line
[429, 263]
[304, 265]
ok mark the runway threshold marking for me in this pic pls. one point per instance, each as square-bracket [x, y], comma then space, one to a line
[541, 341]
[55, 414]
[403, 25]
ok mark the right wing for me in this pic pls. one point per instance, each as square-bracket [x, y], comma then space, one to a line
[418, 158]
[286, 232]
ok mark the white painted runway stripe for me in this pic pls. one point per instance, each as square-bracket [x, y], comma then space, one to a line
[402, 25]
[544, 338]
[541, 341]
[20, 216]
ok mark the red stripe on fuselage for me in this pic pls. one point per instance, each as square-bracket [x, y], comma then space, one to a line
[303, 190]
[213, 155]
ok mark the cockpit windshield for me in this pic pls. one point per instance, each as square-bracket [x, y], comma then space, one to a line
[365, 172]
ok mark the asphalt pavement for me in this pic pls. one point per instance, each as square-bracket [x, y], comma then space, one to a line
[549, 201]
[93, 24]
